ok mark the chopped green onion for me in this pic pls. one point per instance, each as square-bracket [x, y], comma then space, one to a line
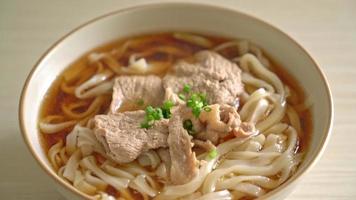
[186, 88]
[167, 104]
[152, 114]
[207, 109]
[145, 125]
[149, 110]
[213, 153]
[181, 96]
[166, 109]
[158, 114]
[197, 102]
[203, 99]
[188, 125]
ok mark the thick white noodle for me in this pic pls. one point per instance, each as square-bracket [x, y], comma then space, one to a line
[63, 155]
[259, 111]
[268, 170]
[140, 184]
[277, 128]
[80, 183]
[87, 138]
[250, 189]
[242, 46]
[275, 116]
[252, 63]
[97, 182]
[258, 52]
[139, 65]
[220, 195]
[116, 171]
[96, 91]
[254, 162]
[95, 57]
[172, 192]
[230, 183]
[136, 169]
[95, 86]
[176, 191]
[53, 154]
[83, 138]
[251, 101]
[195, 39]
[274, 143]
[248, 79]
[257, 141]
[253, 146]
[116, 182]
[251, 155]
[49, 128]
[72, 165]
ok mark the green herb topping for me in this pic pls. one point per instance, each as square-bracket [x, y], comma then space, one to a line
[181, 96]
[188, 125]
[152, 114]
[186, 88]
[166, 109]
[197, 102]
[155, 114]
[207, 109]
[213, 153]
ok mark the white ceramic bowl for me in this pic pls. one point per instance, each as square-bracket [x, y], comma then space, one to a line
[184, 17]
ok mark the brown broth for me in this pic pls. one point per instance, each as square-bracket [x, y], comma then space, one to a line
[55, 97]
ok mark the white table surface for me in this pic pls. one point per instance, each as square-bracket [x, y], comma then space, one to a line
[327, 29]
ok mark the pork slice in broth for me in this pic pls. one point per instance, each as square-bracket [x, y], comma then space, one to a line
[210, 74]
[165, 157]
[183, 160]
[123, 138]
[220, 121]
[133, 89]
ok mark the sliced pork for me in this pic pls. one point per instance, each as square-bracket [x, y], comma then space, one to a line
[211, 74]
[183, 160]
[123, 138]
[220, 121]
[128, 90]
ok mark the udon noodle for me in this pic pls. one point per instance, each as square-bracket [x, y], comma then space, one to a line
[244, 168]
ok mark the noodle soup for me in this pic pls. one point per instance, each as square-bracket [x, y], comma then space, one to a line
[175, 116]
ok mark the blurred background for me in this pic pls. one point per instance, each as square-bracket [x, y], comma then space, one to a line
[326, 28]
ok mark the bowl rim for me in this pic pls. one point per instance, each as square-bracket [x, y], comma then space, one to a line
[69, 187]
